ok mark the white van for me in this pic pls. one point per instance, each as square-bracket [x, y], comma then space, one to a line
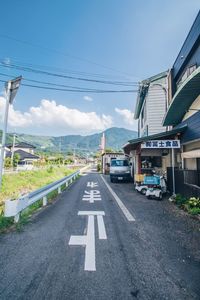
[120, 170]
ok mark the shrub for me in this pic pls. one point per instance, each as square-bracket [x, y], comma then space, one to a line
[180, 200]
[194, 210]
[98, 167]
[194, 202]
[50, 169]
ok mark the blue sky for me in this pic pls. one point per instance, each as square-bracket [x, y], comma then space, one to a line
[125, 40]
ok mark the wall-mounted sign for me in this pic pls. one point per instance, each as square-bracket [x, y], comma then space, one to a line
[159, 144]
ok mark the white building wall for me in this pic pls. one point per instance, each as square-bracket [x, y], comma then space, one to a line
[156, 108]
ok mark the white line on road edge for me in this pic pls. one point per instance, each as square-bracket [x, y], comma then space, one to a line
[125, 211]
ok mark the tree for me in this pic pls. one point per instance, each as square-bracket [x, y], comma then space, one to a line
[7, 162]
[16, 159]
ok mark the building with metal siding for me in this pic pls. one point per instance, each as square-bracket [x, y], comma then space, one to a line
[184, 104]
[151, 104]
[189, 53]
[182, 118]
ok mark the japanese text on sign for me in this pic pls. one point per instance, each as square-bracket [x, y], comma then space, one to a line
[161, 144]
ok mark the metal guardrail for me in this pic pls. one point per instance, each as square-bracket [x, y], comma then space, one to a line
[13, 208]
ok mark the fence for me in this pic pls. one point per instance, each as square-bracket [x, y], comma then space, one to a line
[13, 208]
[187, 182]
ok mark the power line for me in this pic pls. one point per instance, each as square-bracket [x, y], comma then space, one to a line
[77, 90]
[62, 53]
[50, 83]
[57, 69]
[27, 69]
[73, 88]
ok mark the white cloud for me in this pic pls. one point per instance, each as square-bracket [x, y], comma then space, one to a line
[127, 116]
[88, 98]
[7, 61]
[55, 119]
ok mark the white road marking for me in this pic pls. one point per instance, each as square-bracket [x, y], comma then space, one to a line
[88, 240]
[92, 184]
[91, 196]
[101, 228]
[77, 240]
[125, 211]
[91, 213]
[90, 261]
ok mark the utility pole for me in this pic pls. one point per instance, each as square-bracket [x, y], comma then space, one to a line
[60, 151]
[11, 90]
[13, 149]
[74, 155]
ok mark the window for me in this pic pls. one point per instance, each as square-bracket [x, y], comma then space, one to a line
[191, 69]
[185, 75]
[119, 163]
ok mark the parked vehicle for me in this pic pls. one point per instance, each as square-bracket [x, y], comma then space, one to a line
[140, 185]
[141, 188]
[120, 170]
[156, 186]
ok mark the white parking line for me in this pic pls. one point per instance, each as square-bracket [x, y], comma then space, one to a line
[125, 211]
[101, 228]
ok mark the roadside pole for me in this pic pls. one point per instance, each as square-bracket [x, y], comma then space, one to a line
[173, 173]
[13, 149]
[11, 90]
[4, 131]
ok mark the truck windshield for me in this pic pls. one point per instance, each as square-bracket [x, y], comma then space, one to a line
[119, 163]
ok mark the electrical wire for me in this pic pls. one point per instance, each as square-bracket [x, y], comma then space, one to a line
[75, 90]
[59, 85]
[36, 71]
[61, 53]
[58, 69]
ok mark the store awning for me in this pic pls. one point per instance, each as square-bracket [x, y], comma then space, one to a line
[183, 99]
[133, 144]
[191, 154]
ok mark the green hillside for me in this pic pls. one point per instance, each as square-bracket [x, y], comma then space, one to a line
[115, 139]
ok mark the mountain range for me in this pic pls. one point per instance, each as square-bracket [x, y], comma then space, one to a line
[115, 139]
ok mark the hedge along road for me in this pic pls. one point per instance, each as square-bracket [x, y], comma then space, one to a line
[102, 242]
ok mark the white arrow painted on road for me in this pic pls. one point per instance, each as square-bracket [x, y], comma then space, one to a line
[88, 240]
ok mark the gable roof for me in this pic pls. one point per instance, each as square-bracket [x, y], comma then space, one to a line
[143, 89]
[23, 155]
[22, 145]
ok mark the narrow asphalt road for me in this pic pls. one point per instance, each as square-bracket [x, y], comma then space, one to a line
[93, 244]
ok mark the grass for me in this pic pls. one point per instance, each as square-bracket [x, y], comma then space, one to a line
[191, 205]
[13, 185]
[24, 182]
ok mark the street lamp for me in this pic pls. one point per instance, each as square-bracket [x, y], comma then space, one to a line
[11, 88]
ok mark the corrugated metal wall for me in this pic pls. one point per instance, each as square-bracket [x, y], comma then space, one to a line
[156, 108]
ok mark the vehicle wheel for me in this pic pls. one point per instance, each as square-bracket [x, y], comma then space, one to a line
[143, 191]
[111, 179]
[160, 196]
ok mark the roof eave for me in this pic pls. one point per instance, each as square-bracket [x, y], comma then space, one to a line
[178, 107]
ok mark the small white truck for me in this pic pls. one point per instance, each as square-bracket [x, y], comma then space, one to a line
[120, 170]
